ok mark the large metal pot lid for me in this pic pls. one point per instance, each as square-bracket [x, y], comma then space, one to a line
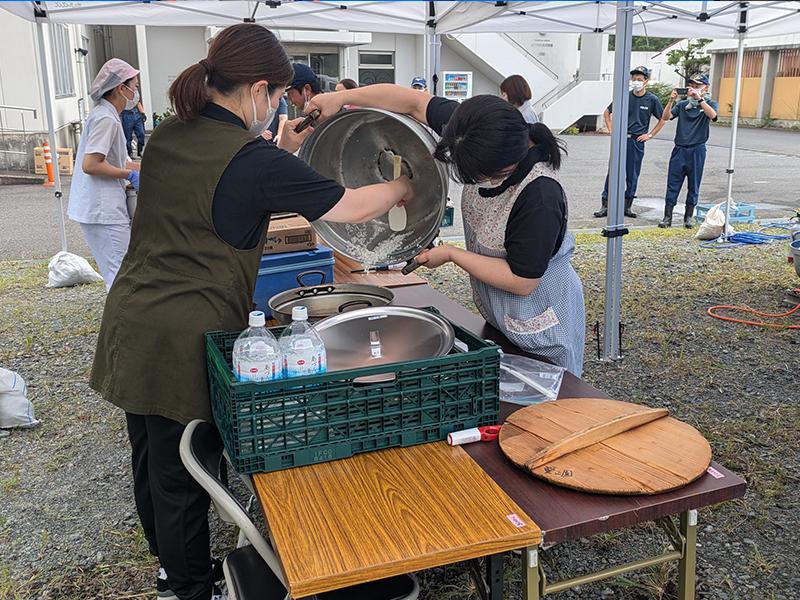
[355, 148]
[331, 299]
[388, 334]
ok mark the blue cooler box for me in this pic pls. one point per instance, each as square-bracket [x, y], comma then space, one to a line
[281, 272]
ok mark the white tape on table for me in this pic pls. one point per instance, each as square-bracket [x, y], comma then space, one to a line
[466, 436]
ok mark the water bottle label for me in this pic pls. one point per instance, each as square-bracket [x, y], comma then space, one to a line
[301, 363]
[251, 370]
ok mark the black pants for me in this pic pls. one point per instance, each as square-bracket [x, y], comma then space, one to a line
[172, 507]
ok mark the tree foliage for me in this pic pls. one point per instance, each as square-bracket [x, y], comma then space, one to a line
[692, 60]
[643, 43]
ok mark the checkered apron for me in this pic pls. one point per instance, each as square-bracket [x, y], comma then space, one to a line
[550, 322]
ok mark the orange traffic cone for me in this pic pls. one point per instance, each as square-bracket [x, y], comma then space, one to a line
[48, 161]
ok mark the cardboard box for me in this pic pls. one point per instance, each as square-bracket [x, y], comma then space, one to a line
[289, 233]
[65, 161]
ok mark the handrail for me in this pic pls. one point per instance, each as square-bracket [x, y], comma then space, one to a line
[557, 93]
[553, 74]
[6, 152]
[22, 108]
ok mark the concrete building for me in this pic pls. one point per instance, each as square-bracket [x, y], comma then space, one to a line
[770, 79]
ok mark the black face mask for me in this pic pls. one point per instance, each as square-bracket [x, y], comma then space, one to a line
[535, 154]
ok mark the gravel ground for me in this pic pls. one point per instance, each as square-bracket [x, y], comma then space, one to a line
[67, 523]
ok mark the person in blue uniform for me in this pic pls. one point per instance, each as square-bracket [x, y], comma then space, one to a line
[643, 106]
[689, 154]
[133, 124]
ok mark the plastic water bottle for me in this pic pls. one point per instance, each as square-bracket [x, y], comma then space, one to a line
[303, 350]
[256, 352]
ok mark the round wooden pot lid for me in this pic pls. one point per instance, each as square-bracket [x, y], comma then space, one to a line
[605, 446]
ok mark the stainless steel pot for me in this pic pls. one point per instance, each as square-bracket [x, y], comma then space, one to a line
[355, 148]
[377, 336]
[328, 299]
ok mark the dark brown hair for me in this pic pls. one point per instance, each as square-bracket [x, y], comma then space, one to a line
[240, 54]
[349, 84]
[516, 89]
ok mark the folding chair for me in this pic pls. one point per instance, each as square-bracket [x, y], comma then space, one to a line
[252, 570]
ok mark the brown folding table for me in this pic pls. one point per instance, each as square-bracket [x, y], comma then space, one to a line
[378, 514]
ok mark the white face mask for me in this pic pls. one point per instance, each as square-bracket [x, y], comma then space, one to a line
[131, 104]
[306, 100]
[635, 86]
[257, 127]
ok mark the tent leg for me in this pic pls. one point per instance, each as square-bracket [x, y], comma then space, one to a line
[51, 133]
[616, 201]
[734, 128]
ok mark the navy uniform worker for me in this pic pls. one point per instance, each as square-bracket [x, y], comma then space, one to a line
[274, 130]
[133, 124]
[642, 107]
[518, 248]
[688, 157]
[97, 197]
[209, 183]
[304, 86]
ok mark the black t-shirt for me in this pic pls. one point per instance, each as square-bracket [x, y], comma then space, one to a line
[263, 179]
[538, 221]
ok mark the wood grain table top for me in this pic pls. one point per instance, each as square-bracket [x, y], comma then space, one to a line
[385, 513]
[342, 273]
[564, 514]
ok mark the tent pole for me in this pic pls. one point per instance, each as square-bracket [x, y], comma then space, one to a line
[51, 133]
[735, 117]
[616, 201]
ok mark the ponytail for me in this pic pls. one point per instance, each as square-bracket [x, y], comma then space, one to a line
[188, 93]
[241, 54]
[547, 144]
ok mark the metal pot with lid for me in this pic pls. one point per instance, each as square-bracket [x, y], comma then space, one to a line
[328, 299]
[356, 148]
[377, 336]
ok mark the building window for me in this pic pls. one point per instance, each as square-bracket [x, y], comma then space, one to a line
[375, 67]
[751, 67]
[63, 80]
[789, 63]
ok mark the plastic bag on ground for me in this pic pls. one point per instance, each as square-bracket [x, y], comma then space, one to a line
[67, 269]
[15, 408]
[525, 380]
[712, 226]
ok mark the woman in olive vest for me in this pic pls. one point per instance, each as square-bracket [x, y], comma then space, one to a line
[209, 183]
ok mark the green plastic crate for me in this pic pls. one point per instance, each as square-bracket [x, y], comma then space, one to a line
[305, 420]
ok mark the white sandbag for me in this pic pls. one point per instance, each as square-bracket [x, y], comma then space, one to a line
[15, 409]
[67, 269]
[714, 223]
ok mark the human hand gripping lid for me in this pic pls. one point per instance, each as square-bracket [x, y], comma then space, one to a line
[112, 74]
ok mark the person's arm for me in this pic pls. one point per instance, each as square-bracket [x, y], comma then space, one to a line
[359, 205]
[386, 96]
[607, 119]
[708, 109]
[95, 164]
[281, 124]
[668, 108]
[492, 271]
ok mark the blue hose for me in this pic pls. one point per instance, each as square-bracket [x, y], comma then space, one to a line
[746, 238]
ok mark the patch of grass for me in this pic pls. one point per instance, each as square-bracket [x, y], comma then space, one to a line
[11, 483]
[760, 564]
[22, 275]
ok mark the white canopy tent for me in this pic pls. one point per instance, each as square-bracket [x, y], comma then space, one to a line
[668, 18]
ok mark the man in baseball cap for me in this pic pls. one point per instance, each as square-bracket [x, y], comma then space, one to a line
[689, 154]
[643, 106]
[419, 83]
[304, 86]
